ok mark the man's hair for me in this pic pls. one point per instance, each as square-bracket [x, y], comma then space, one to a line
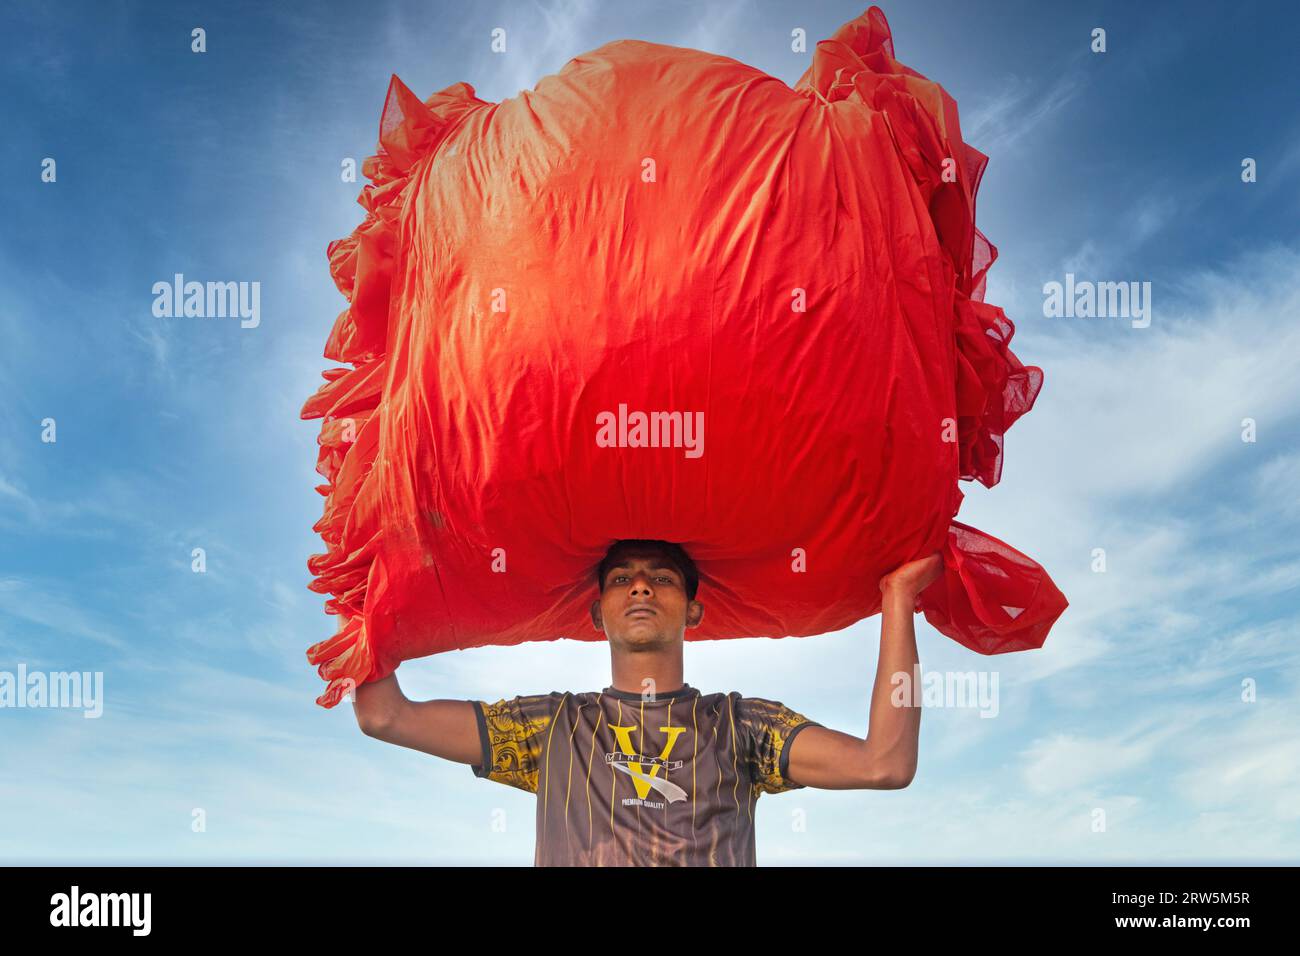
[675, 553]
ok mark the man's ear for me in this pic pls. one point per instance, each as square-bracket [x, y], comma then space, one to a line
[596, 619]
[694, 614]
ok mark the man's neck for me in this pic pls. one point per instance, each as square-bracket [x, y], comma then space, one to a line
[658, 673]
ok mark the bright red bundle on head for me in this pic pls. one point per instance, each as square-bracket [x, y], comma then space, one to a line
[664, 295]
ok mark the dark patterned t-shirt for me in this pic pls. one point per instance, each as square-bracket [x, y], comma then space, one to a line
[622, 780]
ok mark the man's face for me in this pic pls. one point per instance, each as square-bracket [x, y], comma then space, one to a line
[644, 604]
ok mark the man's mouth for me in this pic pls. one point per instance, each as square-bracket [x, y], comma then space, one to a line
[635, 611]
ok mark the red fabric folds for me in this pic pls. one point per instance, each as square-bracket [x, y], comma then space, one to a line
[660, 230]
[991, 598]
[362, 266]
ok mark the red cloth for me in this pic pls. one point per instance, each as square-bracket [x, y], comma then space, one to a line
[639, 230]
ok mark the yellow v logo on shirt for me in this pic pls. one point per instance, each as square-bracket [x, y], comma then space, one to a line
[624, 736]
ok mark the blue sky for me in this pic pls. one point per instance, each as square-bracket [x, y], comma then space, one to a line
[173, 435]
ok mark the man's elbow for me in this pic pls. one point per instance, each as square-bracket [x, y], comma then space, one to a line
[375, 722]
[372, 726]
[887, 774]
[377, 707]
[894, 780]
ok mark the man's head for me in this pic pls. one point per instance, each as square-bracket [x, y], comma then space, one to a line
[647, 594]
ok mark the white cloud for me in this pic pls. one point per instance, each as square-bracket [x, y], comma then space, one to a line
[1248, 763]
[1142, 412]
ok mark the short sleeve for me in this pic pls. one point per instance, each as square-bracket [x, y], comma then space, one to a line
[513, 735]
[766, 729]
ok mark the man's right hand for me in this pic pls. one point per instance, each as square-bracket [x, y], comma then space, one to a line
[910, 579]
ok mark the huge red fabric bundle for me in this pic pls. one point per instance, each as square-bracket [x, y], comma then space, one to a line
[791, 278]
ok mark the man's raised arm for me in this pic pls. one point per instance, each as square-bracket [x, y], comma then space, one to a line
[886, 759]
[444, 728]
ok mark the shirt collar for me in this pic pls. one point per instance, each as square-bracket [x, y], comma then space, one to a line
[684, 691]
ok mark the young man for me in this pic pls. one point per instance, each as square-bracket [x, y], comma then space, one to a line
[650, 771]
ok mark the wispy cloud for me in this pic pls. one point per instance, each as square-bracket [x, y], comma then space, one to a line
[17, 497]
[1111, 257]
[1276, 481]
[1070, 762]
[540, 39]
[157, 346]
[35, 602]
[1016, 108]
[718, 26]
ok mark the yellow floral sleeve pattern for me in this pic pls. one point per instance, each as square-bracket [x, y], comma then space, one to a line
[766, 729]
[513, 735]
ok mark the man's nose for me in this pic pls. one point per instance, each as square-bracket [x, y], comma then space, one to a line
[641, 584]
